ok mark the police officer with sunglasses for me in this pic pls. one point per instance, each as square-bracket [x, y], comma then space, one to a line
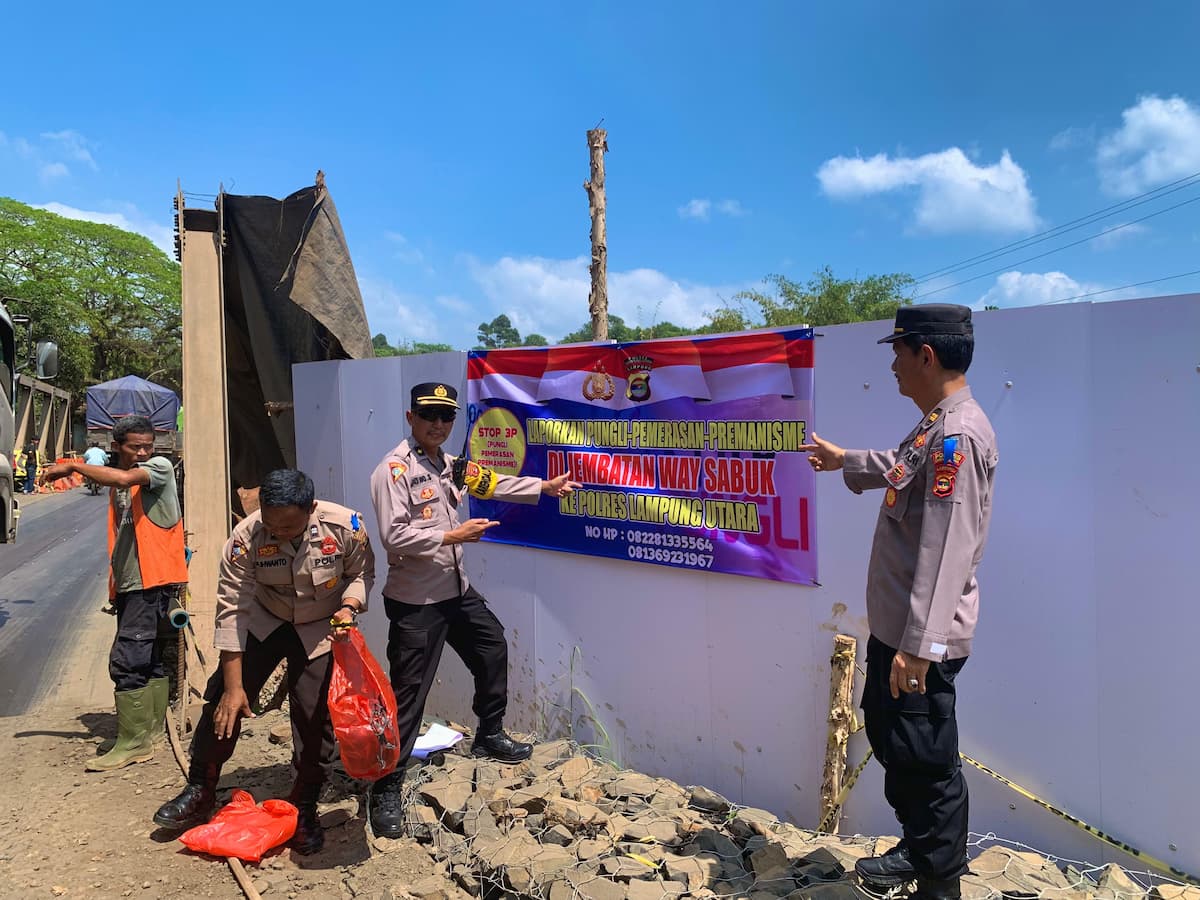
[427, 597]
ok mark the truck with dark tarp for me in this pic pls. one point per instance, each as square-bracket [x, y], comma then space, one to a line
[133, 396]
[45, 361]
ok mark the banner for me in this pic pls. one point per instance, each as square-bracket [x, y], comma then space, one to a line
[687, 449]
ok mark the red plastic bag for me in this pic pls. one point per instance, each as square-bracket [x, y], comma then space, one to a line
[363, 709]
[244, 830]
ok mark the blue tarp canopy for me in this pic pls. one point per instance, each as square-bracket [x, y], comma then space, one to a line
[131, 396]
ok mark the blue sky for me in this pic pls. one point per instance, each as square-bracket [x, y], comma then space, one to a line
[744, 140]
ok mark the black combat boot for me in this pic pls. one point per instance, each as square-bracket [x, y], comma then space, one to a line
[889, 870]
[310, 836]
[934, 889]
[384, 806]
[497, 745]
[194, 805]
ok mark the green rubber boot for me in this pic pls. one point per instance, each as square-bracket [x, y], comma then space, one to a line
[134, 744]
[159, 691]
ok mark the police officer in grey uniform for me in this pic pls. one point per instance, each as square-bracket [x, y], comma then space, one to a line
[294, 574]
[418, 493]
[922, 598]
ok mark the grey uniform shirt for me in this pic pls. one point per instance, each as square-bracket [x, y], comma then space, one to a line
[922, 596]
[416, 503]
[160, 502]
[265, 582]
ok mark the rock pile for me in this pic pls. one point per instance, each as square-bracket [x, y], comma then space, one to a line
[563, 826]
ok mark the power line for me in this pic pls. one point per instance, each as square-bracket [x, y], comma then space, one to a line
[1121, 288]
[1081, 222]
[1021, 262]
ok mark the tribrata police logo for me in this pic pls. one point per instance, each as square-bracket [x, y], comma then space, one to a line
[598, 385]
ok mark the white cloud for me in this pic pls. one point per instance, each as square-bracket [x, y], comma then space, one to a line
[72, 145]
[1158, 142]
[953, 193]
[696, 208]
[1111, 238]
[407, 253]
[52, 154]
[132, 219]
[549, 296]
[50, 171]
[1033, 289]
[400, 315]
[700, 208]
[1072, 137]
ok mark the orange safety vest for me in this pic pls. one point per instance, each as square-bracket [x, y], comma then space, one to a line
[160, 550]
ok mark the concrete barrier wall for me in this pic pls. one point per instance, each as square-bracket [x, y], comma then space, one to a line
[1081, 686]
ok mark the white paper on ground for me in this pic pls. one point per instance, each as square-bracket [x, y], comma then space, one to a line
[438, 737]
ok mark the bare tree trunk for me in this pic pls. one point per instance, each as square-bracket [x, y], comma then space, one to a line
[597, 140]
[841, 721]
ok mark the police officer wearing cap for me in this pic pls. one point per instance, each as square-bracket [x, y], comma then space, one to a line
[922, 597]
[419, 496]
[294, 574]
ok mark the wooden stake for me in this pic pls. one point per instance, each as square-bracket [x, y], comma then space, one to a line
[597, 140]
[841, 721]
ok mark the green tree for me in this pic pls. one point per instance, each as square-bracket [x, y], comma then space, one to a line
[620, 331]
[109, 298]
[414, 347]
[382, 347]
[500, 332]
[824, 300]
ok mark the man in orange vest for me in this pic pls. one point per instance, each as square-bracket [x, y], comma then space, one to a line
[145, 543]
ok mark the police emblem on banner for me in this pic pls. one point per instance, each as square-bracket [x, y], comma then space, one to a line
[598, 385]
[638, 370]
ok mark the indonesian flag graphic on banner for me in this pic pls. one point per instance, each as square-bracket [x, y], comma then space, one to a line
[621, 377]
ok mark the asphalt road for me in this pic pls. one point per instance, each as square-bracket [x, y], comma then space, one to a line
[53, 582]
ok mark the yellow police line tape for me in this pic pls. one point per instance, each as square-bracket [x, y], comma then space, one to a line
[840, 800]
[1084, 826]
[1095, 832]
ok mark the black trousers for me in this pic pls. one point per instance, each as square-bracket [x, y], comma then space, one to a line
[308, 693]
[915, 739]
[416, 636]
[142, 631]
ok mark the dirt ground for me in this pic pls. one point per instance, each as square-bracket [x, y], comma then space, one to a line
[69, 833]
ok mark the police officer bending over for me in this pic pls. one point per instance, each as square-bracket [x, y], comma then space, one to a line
[922, 598]
[428, 599]
[290, 574]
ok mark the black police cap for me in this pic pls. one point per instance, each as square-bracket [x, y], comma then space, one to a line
[931, 318]
[433, 394]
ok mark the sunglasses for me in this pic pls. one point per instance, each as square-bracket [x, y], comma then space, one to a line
[437, 415]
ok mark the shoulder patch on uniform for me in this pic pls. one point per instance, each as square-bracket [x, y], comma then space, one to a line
[236, 550]
[945, 471]
[397, 469]
[358, 532]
